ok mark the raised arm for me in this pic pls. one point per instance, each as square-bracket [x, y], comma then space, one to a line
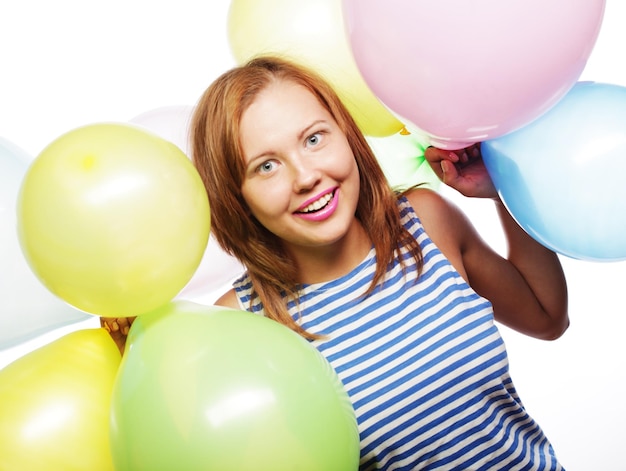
[527, 287]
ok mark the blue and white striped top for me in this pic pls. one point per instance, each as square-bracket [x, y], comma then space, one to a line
[424, 365]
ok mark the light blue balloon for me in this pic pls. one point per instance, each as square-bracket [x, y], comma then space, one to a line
[563, 176]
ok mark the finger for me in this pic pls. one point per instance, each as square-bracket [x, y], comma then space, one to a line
[118, 328]
[117, 325]
[463, 157]
[449, 172]
[110, 324]
[475, 150]
[436, 158]
[125, 323]
[469, 155]
[434, 154]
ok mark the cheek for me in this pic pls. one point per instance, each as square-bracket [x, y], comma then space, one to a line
[265, 199]
[349, 170]
[353, 182]
[346, 166]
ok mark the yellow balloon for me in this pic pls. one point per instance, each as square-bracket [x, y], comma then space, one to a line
[113, 219]
[313, 34]
[55, 403]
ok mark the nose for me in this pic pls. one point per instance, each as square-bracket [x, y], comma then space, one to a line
[306, 176]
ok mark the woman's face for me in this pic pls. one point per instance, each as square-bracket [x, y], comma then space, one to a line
[301, 179]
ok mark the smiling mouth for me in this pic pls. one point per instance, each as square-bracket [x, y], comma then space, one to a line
[319, 204]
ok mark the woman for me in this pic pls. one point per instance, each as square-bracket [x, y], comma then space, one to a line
[391, 288]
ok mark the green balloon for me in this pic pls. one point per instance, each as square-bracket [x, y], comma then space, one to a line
[401, 157]
[209, 388]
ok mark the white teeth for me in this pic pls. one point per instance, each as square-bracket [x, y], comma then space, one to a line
[319, 204]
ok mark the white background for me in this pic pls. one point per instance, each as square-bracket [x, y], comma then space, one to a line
[67, 63]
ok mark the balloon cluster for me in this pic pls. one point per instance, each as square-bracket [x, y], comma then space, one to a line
[554, 147]
[484, 79]
[114, 220]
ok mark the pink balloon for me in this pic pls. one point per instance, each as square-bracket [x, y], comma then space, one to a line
[170, 123]
[466, 71]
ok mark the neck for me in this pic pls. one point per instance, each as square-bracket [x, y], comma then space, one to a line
[320, 264]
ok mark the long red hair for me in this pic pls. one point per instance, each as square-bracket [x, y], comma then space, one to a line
[218, 156]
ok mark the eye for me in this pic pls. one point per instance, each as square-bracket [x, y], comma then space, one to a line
[314, 139]
[266, 167]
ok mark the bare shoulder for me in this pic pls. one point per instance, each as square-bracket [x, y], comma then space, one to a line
[228, 299]
[438, 215]
[444, 222]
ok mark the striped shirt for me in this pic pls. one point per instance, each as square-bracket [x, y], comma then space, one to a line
[424, 365]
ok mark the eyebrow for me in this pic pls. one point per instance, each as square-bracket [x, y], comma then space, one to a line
[301, 135]
[306, 130]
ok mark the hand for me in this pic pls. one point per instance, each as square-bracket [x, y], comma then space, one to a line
[462, 170]
[118, 328]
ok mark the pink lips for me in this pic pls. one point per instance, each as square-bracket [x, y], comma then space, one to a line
[323, 213]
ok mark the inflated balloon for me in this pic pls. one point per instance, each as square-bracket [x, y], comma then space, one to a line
[562, 176]
[464, 72]
[216, 268]
[204, 387]
[313, 34]
[27, 308]
[55, 404]
[401, 157]
[113, 219]
[169, 122]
